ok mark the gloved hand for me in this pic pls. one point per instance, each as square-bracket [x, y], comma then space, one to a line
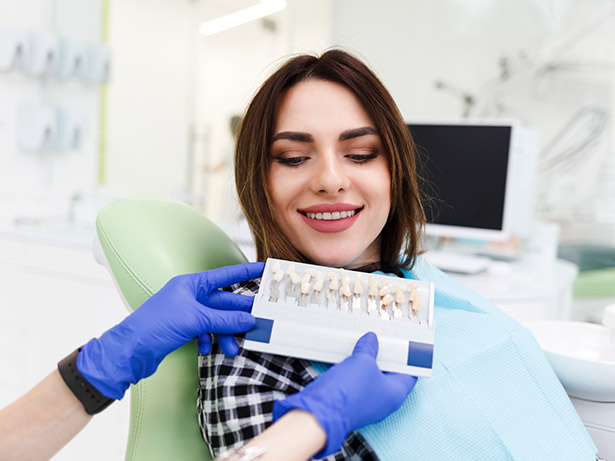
[187, 307]
[350, 395]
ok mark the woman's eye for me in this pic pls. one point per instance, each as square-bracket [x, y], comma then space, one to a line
[363, 157]
[290, 161]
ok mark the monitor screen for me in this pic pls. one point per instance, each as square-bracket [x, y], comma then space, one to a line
[465, 177]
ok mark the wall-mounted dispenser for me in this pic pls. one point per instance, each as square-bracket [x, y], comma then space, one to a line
[36, 127]
[71, 127]
[97, 64]
[13, 43]
[41, 57]
[71, 58]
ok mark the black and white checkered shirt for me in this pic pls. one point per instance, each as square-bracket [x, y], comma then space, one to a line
[236, 395]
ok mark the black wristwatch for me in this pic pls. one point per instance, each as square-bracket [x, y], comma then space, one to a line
[93, 401]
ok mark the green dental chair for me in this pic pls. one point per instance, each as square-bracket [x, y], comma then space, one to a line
[144, 243]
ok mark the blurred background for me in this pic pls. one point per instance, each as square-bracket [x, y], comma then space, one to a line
[105, 99]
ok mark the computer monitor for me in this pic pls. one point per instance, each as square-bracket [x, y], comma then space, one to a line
[465, 170]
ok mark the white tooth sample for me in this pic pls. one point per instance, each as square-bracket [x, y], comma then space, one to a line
[386, 300]
[306, 277]
[416, 304]
[294, 278]
[397, 313]
[335, 215]
[372, 295]
[334, 282]
[311, 271]
[384, 315]
[317, 288]
[384, 291]
[345, 294]
[275, 283]
[319, 282]
[344, 277]
[358, 288]
[275, 267]
[333, 287]
[399, 298]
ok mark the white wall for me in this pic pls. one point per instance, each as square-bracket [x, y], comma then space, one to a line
[150, 102]
[561, 59]
[232, 64]
[39, 183]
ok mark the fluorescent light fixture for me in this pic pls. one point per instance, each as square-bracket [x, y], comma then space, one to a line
[260, 10]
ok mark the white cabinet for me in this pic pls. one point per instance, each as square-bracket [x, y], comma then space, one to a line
[53, 298]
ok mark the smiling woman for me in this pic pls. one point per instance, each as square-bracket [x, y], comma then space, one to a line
[329, 177]
[325, 171]
[323, 135]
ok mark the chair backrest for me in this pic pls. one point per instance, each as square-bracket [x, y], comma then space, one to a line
[144, 243]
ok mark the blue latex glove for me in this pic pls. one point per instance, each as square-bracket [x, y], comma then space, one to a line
[350, 395]
[172, 317]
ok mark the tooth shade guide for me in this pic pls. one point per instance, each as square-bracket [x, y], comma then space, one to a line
[340, 307]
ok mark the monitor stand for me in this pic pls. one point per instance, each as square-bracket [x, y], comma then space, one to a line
[460, 263]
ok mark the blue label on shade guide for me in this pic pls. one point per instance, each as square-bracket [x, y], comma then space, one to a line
[420, 354]
[261, 331]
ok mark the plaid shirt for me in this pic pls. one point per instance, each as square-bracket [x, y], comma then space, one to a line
[236, 395]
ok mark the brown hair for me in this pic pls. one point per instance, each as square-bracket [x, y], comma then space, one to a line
[401, 233]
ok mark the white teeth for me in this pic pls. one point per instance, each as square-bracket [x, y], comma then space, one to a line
[331, 216]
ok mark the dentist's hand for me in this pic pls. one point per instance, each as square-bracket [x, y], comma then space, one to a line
[350, 395]
[187, 307]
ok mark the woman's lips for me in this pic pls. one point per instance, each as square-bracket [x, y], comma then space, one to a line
[329, 207]
[331, 225]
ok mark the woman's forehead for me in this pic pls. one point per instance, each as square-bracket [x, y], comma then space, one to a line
[320, 106]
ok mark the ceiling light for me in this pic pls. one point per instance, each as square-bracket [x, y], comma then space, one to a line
[262, 9]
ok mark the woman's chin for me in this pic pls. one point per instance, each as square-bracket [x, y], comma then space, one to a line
[334, 260]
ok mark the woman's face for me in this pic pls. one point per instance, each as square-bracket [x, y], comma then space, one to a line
[329, 175]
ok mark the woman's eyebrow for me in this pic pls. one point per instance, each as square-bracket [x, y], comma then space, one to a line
[306, 137]
[293, 136]
[357, 132]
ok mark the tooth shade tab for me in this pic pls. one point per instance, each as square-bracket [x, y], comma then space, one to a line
[330, 216]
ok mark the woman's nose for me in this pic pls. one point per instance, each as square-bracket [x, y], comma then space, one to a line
[330, 175]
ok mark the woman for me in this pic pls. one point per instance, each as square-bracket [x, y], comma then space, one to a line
[326, 174]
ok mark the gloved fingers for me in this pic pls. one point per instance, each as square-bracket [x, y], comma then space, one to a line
[225, 276]
[227, 322]
[204, 343]
[367, 344]
[401, 382]
[225, 300]
[227, 344]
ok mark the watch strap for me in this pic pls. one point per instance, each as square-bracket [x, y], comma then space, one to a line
[92, 400]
